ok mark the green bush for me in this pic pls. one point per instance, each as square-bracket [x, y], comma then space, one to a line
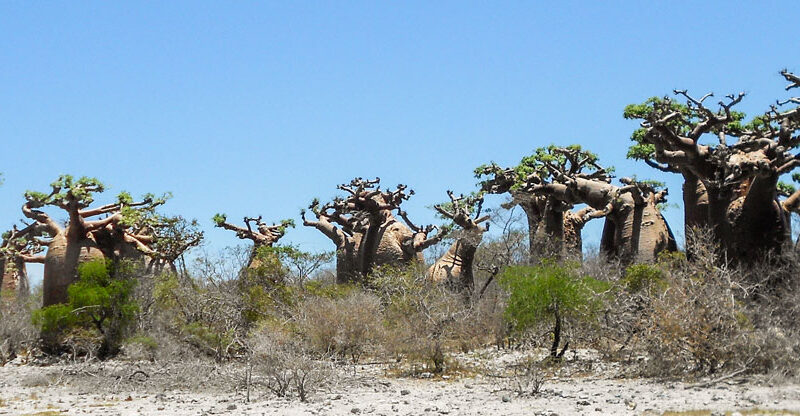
[101, 301]
[643, 276]
[549, 291]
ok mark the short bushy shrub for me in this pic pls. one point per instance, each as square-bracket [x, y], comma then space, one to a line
[101, 301]
[345, 327]
[550, 291]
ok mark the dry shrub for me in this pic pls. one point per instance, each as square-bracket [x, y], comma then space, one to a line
[528, 377]
[17, 333]
[346, 327]
[423, 320]
[704, 317]
[206, 314]
[281, 364]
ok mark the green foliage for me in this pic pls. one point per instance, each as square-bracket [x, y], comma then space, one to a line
[175, 235]
[287, 223]
[279, 276]
[641, 149]
[656, 108]
[219, 219]
[267, 266]
[785, 189]
[66, 189]
[142, 216]
[145, 341]
[100, 300]
[566, 158]
[55, 318]
[543, 291]
[285, 264]
[320, 289]
[208, 338]
[103, 298]
[643, 276]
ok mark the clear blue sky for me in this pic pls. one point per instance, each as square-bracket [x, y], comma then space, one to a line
[257, 107]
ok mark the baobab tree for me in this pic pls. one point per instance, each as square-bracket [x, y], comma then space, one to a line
[455, 267]
[731, 170]
[554, 228]
[634, 229]
[257, 231]
[19, 247]
[346, 233]
[366, 233]
[172, 238]
[123, 232]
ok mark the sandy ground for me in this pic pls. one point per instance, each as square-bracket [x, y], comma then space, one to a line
[72, 389]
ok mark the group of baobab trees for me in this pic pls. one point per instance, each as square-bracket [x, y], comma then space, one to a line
[731, 171]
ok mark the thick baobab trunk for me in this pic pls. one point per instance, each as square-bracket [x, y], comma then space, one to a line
[550, 238]
[574, 221]
[573, 242]
[61, 266]
[757, 222]
[559, 234]
[386, 244]
[347, 270]
[347, 259]
[695, 203]
[455, 266]
[636, 232]
[15, 283]
[346, 239]
[534, 214]
[652, 232]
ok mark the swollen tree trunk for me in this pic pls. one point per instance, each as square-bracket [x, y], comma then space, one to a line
[347, 270]
[14, 283]
[534, 213]
[695, 203]
[61, 265]
[695, 208]
[455, 267]
[550, 238]
[574, 221]
[636, 232]
[757, 221]
[363, 224]
[386, 243]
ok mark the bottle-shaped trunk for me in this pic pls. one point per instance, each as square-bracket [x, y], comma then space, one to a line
[61, 265]
[385, 244]
[757, 222]
[695, 203]
[573, 242]
[533, 214]
[636, 233]
[347, 261]
[455, 267]
[14, 285]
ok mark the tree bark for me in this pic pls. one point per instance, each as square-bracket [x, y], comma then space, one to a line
[61, 265]
[757, 222]
[15, 284]
[455, 267]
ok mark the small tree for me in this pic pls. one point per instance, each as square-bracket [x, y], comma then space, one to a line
[101, 300]
[549, 291]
